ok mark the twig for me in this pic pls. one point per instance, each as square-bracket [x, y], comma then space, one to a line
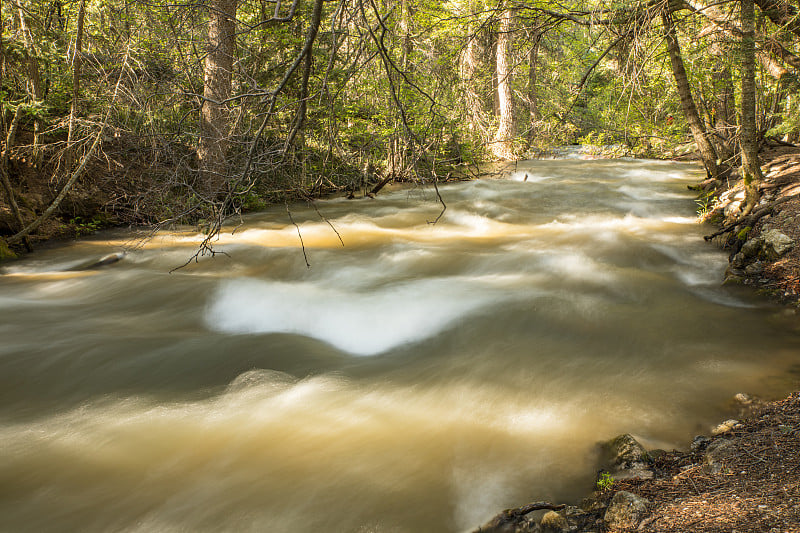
[441, 200]
[323, 217]
[302, 244]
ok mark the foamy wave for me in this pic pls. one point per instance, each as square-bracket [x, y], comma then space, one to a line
[359, 323]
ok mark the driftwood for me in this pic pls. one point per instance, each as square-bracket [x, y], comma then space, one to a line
[511, 516]
[750, 219]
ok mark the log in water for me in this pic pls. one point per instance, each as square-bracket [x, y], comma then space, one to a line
[418, 377]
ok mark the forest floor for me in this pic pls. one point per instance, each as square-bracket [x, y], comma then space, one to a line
[752, 484]
[777, 276]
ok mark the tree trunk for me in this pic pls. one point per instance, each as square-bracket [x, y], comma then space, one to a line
[300, 118]
[502, 145]
[34, 81]
[470, 63]
[533, 97]
[707, 151]
[751, 169]
[724, 107]
[6, 181]
[76, 86]
[214, 114]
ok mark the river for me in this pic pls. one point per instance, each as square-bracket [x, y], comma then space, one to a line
[417, 377]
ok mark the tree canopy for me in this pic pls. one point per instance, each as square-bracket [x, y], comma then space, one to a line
[199, 110]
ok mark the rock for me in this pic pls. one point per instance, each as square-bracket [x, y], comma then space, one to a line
[776, 243]
[517, 520]
[739, 260]
[733, 209]
[593, 503]
[625, 452]
[5, 251]
[625, 511]
[752, 248]
[743, 398]
[627, 459]
[699, 443]
[715, 455]
[754, 269]
[725, 427]
[552, 522]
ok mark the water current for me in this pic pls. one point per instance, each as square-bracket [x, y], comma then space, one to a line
[417, 377]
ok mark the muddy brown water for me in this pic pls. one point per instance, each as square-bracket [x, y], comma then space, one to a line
[419, 378]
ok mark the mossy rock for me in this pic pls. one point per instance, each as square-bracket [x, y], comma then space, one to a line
[742, 235]
[6, 252]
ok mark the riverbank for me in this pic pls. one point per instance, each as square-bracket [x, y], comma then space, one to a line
[746, 478]
[764, 248]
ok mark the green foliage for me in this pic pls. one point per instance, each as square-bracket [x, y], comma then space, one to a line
[86, 226]
[605, 482]
[705, 203]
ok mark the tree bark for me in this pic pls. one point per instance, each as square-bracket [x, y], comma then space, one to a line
[533, 97]
[470, 63]
[724, 106]
[751, 168]
[502, 145]
[76, 86]
[707, 151]
[34, 80]
[214, 114]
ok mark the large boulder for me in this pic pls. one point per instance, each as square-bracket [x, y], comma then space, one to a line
[776, 244]
[624, 450]
[625, 511]
[626, 458]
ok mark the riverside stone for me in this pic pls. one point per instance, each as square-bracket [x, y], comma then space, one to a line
[625, 511]
[725, 427]
[624, 451]
[715, 455]
[776, 243]
[553, 522]
[752, 248]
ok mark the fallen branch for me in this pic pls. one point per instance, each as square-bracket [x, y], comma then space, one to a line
[509, 516]
[750, 219]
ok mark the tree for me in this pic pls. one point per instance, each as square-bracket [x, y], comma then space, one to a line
[214, 114]
[751, 169]
[707, 151]
[502, 144]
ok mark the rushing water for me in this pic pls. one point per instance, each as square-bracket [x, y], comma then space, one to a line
[419, 377]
